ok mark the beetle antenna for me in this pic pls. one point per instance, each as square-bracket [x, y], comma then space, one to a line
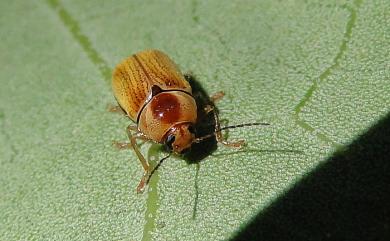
[157, 166]
[197, 140]
[244, 125]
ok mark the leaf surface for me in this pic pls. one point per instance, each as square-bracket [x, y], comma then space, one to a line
[317, 71]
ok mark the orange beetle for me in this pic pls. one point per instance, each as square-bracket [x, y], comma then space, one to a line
[152, 92]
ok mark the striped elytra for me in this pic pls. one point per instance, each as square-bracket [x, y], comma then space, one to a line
[134, 77]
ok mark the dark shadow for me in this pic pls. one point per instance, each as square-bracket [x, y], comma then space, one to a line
[204, 126]
[346, 198]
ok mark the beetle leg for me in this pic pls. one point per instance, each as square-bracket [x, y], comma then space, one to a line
[214, 98]
[133, 141]
[208, 108]
[122, 145]
[115, 109]
[188, 76]
[217, 96]
[125, 145]
[219, 136]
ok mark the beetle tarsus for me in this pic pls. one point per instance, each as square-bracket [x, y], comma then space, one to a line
[141, 186]
[122, 145]
[188, 76]
[217, 96]
[208, 108]
[235, 144]
[115, 109]
[143, 182]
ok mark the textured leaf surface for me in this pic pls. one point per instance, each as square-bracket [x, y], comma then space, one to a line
[317, 71]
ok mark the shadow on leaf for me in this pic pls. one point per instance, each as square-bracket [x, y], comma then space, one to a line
[201, 150]
[346, 198]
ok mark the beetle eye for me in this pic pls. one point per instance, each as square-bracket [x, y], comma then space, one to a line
[191, 129]
[169, 141]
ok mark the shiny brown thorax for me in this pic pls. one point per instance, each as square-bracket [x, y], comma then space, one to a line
[164, 111]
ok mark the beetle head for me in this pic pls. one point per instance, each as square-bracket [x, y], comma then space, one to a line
[180, 137]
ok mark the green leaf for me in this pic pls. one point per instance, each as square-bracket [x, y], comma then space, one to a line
[317, 71]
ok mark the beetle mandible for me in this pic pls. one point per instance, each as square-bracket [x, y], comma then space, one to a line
[152, 92]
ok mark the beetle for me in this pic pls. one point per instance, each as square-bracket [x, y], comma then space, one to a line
[153, 93]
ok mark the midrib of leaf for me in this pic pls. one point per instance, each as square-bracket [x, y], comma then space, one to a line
[151, 208]
[325, 74]
[73, 27]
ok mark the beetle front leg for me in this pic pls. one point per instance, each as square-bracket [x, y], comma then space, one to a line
[122, 145]
[133, 141]
[127, 145]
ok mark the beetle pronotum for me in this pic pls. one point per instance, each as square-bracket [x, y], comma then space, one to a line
[152, 92]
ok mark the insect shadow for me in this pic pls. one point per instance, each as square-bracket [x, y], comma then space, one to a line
[204, 126]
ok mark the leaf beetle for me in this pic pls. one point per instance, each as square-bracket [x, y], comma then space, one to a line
[152, 92]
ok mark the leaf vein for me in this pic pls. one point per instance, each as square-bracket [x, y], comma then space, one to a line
[325, 74]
